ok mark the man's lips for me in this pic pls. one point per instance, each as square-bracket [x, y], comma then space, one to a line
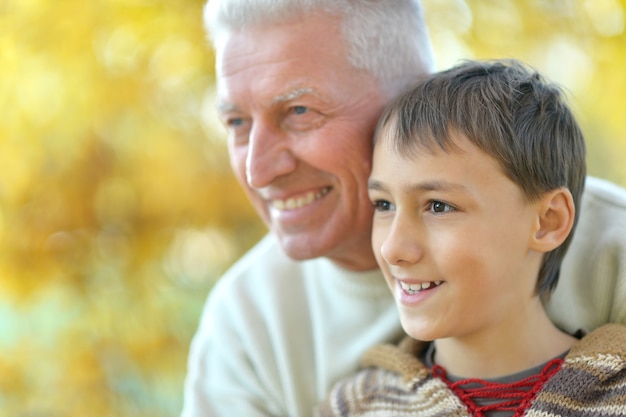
[299, 201]
[416, 288]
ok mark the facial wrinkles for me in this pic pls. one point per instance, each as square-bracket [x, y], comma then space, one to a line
[262, 72]
[350, 126]
[351, 95]
[239, 53]
[263, 118]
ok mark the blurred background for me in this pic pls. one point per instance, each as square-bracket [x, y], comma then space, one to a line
[118, 210]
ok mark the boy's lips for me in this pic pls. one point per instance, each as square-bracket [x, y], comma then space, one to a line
[298, 201]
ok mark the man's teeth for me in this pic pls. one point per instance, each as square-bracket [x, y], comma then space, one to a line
[415, 288]
[294, 203]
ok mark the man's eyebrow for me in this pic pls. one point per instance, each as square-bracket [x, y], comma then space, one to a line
[292, 95]
[283, 98]
[227, 107]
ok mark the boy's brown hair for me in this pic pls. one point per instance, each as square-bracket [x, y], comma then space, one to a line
[510, 112]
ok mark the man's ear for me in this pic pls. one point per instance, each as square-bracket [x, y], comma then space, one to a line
[555, 219]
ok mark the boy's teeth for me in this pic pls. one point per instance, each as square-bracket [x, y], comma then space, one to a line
[294, 203]
[415, 288]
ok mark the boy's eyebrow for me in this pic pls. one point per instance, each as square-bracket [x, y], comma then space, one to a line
[373, 184]
[438, 186]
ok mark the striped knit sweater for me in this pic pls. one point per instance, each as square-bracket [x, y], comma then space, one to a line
[591, 382]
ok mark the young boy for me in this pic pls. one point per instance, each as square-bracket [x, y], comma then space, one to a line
[476, 180]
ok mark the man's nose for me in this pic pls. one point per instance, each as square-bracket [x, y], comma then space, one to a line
[402, 244]
[270, 155]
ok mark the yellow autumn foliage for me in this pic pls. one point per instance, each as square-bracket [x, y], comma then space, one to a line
[118, 210]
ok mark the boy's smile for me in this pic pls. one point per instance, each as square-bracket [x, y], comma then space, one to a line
[452, 235]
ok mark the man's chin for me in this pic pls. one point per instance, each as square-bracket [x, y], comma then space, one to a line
[300, 249]
[298, 253]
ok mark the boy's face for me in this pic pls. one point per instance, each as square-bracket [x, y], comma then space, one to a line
[456, 225]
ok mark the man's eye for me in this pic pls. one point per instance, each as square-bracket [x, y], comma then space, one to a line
[300, 109]
[382, 205]
[302, 119]
[234, 122]
[439, 207]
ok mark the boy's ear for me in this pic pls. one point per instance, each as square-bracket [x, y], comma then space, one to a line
[555, 218]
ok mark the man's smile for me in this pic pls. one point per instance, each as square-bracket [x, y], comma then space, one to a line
[292, 203]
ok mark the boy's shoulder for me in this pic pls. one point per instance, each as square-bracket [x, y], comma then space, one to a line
[393, 381]
[592, 377]
[605, 347]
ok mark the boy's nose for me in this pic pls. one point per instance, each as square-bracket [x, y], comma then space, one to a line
[402, 245]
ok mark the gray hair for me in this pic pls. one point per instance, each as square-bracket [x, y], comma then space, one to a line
[388, 39]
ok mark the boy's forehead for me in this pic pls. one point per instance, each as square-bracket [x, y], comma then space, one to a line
[411, 143]
[415, 150]
[466, 172]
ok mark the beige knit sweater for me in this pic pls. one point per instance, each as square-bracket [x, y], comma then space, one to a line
[591, 382]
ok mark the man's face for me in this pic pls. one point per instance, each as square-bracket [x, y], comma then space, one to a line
[300, 120]
[452, 234]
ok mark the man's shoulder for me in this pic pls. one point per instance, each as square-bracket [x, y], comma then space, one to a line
[265, 253]
[593, 275]
[600, 191]
[264, 258]
[253, 286]
[264, 271]
[602, 224]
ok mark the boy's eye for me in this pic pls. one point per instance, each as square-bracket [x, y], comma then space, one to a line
[383, 205]
[439, 207]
